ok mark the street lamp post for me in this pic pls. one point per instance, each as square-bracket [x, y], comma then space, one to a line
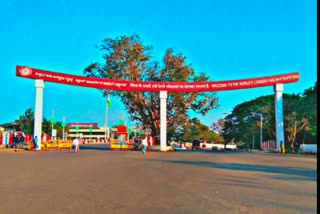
[261, 125]
[63, 127]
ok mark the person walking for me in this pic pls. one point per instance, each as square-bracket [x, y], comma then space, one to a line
[15, 140]
[35, 143]
[282, 148]
[144, 145]
[136, 144]
[76, 144]
[21, 140]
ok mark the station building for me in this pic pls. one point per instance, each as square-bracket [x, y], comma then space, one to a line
[88, 132]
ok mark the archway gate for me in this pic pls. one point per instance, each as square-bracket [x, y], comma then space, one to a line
[163, 88]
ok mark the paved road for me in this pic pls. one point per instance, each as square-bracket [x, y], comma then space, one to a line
[96, 180]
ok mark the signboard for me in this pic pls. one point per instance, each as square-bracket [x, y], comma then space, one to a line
[125, 85]
[83, 125]
[54, 133]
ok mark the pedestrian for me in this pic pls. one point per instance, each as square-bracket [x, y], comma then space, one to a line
[76, 144]
[22, 139]
[15, 140]
[144, 145]
[35, 143]
[136, 144]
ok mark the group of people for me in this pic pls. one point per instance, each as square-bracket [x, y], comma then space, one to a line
[20, 138]
[141, 142]
[16, 139]
[144, 144]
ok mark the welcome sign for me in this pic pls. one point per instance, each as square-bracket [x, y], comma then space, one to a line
[125, 85]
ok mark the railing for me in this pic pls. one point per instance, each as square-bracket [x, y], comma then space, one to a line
[121, 144]
[53, 144]
[59, 144]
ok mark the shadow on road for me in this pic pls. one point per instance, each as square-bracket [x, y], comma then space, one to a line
[95, 147]
[301, 173]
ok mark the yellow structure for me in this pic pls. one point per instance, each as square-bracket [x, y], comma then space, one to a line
[53, 144]
[119, 144]
[122, 141]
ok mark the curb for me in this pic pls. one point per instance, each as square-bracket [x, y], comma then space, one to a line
[12, 150]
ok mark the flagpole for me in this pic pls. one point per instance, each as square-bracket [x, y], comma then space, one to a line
[123, 118]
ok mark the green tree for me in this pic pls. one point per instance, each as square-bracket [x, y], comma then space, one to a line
[218, 129]
[294, 120]
[194, 129]
[46, 126]
[26, 121]
[127, 58]
[26, 124]
[299, 118]
[309, 107]
[244, 121]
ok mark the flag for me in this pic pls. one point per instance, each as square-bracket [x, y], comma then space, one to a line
[108, 102]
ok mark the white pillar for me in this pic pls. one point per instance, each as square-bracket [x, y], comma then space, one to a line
[38, 112]
[106, 121]
[163, 121]
[261, 133]
[278, 102]
[5, 138]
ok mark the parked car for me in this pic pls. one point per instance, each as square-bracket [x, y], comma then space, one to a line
[231, 146]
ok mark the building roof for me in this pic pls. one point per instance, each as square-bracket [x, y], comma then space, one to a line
[11, 125]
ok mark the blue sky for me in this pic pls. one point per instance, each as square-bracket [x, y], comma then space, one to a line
[228, 40]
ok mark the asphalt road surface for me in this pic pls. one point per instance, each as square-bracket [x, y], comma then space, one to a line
[97, 180]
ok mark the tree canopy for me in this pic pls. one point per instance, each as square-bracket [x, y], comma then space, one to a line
[127, 58]
[300, 118]
[26, 124]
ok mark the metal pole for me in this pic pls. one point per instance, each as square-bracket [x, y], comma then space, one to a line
[253, 143]
[63, 121]
[261, 120]
[52, 125]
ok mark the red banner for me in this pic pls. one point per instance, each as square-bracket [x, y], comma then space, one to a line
[125, 85]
